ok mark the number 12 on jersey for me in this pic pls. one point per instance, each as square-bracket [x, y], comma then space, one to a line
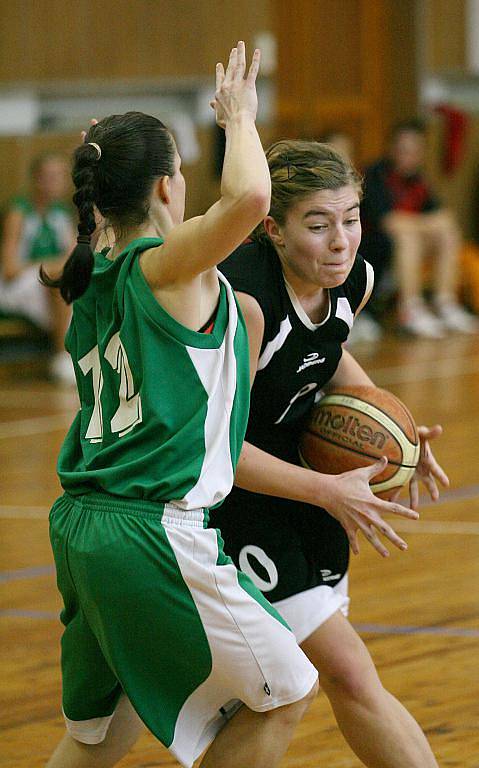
[129, 411]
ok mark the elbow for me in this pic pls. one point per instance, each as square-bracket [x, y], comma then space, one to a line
[255, 205]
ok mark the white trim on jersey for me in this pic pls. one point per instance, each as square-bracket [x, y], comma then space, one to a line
[275, 344]
[298, 308]
[216, 369]
[369, 287]
[344, 311]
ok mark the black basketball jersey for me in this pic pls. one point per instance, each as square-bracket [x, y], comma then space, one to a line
[297, 357]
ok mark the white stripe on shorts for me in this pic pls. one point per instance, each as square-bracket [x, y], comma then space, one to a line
[249, 647]
[306, 611]
[91, 731]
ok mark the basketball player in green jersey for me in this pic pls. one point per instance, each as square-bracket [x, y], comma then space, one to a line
[154, 612]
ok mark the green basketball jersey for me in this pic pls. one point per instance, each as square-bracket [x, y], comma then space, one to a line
[42, 235]
[163, 408]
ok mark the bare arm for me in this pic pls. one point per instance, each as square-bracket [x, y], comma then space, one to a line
[12, 230]
[349, 374]
[201, 243]
[347, 497]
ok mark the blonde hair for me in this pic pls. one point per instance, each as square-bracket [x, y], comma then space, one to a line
[300, 168]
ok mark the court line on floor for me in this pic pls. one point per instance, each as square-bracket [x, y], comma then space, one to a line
[436, 526]
[464, 493]
[21, 513]
[36, 426]
[449, 368]
[22, 613]
[427, 370]
[27, 573]
[64, 400]
[387, 629]
[377, 629]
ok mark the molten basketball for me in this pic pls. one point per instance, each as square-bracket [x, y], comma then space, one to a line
[353, 427]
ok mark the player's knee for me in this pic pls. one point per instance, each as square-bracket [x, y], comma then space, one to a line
[352, 678]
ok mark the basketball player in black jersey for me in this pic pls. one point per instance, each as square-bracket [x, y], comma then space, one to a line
[301, 283]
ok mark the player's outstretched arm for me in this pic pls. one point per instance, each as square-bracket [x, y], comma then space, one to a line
[200, 243]
[347, 497]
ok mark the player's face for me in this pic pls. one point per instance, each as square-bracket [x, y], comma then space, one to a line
[177, 193]
[321, 235]
[51, 179]
[408, 152]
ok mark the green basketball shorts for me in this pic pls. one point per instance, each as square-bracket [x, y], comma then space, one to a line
[153, 608]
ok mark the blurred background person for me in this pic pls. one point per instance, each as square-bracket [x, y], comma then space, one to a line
[365, 328]
[403, 219]
[341, 141]
[38, 228]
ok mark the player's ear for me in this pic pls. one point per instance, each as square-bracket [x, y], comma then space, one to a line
[273, 230]
[161, 189]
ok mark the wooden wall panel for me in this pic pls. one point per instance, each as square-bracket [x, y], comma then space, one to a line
[444, 30]
[333, 70]
[17, 152]
[403, 64]
[45, 40]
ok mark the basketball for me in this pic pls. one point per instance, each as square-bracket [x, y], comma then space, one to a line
[353, 427]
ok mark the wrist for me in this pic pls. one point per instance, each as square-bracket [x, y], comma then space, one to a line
[318, 488]
[241, 118]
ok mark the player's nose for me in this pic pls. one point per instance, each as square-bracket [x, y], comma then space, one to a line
[339, 241]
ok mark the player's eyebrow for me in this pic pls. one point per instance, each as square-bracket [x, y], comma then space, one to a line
[324, 212]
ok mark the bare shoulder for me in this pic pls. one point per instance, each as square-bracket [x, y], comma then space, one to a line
[253, 314]
[164, 265]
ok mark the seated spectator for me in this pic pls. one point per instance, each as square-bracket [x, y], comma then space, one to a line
[402, 218]
[38, 228]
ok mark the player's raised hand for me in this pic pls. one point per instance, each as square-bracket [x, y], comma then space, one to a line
[427, 470]
[83, 134]
[235, 94]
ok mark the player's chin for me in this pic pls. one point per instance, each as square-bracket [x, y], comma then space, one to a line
[335, 274]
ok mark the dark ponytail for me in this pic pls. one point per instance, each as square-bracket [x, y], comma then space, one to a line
[113, 170]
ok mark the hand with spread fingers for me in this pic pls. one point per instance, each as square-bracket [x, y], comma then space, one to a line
[427, 470]
[354, 505]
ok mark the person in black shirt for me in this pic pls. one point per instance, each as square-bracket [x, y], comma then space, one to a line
[301, 283]
[403, 218]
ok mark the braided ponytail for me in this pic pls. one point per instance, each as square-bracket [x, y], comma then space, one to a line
[76, 274]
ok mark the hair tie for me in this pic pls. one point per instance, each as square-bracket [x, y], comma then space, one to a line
[84, 239]
[97, 147]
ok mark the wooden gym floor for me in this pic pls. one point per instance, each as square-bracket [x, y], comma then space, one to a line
[417, 611]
